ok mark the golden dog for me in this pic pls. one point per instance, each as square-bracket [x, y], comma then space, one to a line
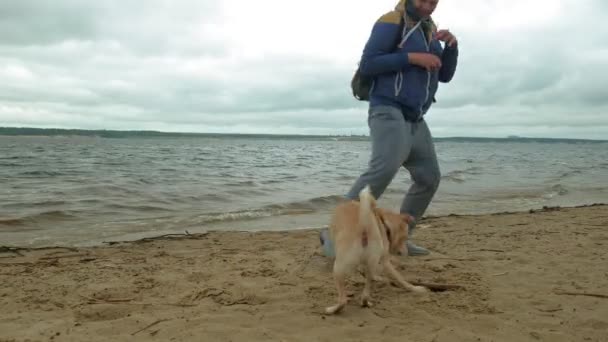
[368, 235]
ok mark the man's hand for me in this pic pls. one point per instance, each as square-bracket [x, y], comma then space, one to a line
[447, 37]
[427, 61]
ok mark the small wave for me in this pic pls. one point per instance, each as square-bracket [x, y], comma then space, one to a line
[11, 222]
[266, 166]
[16, 157]
[570, 173]
[454, 176]
[271, 181]
[344, 177]
[179, 198]
[40, 173]
[313, 204]
[556, 190]
[139, 208]
[11, 165]
[55, 215]
[109, 189]
[531, 193]
[248, 183]
[460, 176]
[246, 215]
[293, 208]
[475, 170]
[236, 216]
[34, 204]
[109, 163]
[145, 181]
[243, 192]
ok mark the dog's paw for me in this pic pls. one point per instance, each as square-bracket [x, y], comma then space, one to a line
[380, 279]
[332, 310]
[366, 302]
[420, 289]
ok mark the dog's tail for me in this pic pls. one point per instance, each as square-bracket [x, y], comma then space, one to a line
[367, 204]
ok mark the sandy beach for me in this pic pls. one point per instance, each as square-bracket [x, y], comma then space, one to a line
[530, 276]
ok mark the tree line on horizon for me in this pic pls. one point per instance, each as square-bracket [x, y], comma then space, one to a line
[31, 131]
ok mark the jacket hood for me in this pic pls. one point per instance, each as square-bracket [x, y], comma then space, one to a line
[401, 6]
[406, 9]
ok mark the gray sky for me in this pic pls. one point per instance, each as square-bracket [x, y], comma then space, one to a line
[529, 68]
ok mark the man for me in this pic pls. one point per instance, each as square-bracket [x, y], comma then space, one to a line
[405, 58]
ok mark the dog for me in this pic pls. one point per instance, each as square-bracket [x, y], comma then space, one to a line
[364, 234]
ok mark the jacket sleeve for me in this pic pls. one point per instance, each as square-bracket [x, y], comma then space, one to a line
[449, 61]
[378, 55]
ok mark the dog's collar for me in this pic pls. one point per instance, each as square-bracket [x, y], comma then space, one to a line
[388, 231]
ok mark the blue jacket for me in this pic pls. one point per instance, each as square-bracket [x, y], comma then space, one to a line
[396, 82]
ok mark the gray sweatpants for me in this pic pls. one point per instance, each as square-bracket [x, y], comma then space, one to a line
[398, 143]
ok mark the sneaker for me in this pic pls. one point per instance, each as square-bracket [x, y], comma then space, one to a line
[326, 243]
[413, 250]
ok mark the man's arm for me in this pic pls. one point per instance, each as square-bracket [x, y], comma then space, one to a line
[449, 57]
[449, 61]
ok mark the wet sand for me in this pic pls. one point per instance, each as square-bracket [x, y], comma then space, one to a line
[539, 276]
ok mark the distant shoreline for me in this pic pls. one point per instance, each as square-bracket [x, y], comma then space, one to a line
[121, 134]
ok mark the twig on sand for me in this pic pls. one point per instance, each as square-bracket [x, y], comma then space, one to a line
[14, 250]
[185, 235]
[52, 260]
[149, 326]
[597, 225]
[438, 287]
[588, 294]
[490, 250]
[18, 250]
[456, 259]
[161, 237]
[500, 274]
[108, 300]
[147, 304]
[284, 283]
[375, 312]
[129, 301]
[51, 257]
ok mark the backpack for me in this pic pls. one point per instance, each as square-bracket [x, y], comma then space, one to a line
[361, 85]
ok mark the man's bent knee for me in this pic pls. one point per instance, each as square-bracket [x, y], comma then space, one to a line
[428, 178]
[379, 179]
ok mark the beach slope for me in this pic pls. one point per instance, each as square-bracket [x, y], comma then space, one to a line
[539, 276]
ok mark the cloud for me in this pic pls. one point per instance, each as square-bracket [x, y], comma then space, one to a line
[526, 68]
